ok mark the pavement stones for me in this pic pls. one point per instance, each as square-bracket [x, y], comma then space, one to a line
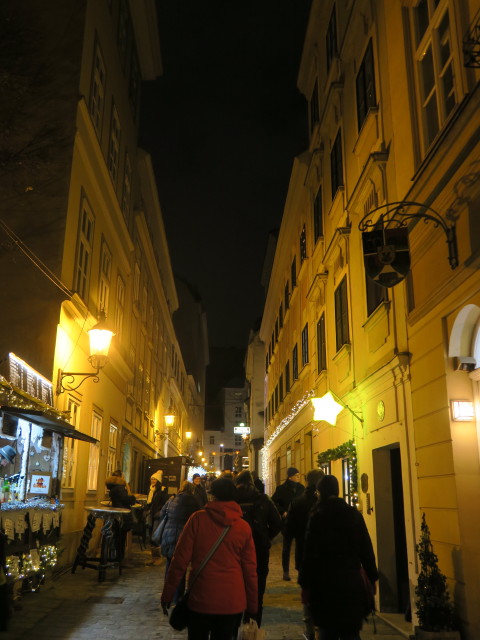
[127, 607]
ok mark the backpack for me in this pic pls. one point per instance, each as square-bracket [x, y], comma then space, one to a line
[256, 516]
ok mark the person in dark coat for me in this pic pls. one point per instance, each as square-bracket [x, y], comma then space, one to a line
[200, 492]
[177, 510]
[337, 545]
[295, 528]
[262, 515]
[283, 496]
[121, 497]
[157, 497]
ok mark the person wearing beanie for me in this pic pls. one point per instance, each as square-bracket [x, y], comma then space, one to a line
[226, 587]
[200, 492]
[295, 528]
[7, 455]
[283, 496]
[337, 544]
[157, 497]
[263, 517]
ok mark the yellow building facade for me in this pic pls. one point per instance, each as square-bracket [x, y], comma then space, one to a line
[393, 117]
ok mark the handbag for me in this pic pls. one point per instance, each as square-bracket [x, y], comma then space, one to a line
[179, 616]
[157, 532]
[250, 631]
[368, 593]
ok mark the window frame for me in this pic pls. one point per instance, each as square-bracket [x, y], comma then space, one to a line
[98, 87]
[365, 89]
[84, 253]
[321, 344]
[336, 164]
[318, 215]
[342, 335]
[305, 355]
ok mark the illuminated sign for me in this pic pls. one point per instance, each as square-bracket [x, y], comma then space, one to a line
[242, 431]
[24, 377]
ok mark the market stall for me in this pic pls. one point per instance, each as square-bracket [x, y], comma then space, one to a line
[32, 433]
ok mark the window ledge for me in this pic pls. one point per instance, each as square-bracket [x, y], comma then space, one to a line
[368, 134]
[343, 352]
[377, 314]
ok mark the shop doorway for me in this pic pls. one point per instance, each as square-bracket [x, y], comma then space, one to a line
[391, 537]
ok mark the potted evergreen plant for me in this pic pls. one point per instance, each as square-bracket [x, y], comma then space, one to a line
[434, 607]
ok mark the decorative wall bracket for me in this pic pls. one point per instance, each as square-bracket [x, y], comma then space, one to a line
[67, 378]
[397, 215]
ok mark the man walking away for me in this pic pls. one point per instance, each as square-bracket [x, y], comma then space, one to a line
[283, 496]
[295, 528]
[200, 493]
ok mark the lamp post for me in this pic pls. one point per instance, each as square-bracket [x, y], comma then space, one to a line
[100, 337]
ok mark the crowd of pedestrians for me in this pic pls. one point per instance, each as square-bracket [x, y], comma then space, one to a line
[234, 516]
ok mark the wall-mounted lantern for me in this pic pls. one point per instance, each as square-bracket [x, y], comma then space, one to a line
[100, 337]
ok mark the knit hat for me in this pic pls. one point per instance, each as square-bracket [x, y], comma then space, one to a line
[158, 475]
[291, 471]
[8, 453]
[223, 489]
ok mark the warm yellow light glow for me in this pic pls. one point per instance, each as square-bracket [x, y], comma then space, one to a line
[188, 435]
[462, 410]
[326, 408]
[100, 337]
[200, 453]
[170, 416]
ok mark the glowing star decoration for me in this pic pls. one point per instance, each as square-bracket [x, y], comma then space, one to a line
[326, 408]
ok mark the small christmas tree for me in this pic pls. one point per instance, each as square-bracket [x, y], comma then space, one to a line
[434, 609]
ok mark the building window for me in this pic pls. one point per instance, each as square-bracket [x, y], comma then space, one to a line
[134, 82]
[331, 39]
[105, 275]
[287, 295]
[376, 294]
[276, 330]
[321, 344]
[276, 398]
[112, 449]
[84, 250]
[266, 363]
[305, 345]
[97, 93]
[238, 441]
[287, 377]
[365, 82]
[94, 454]
[341, 314]
[433, 52]
[336, 165]
[212, 439]
[326, 468]
[119, 307]
[280, 316]
[295, 363]
[314, 108]
[293, 273]
[303, 245]
[69, 449]
[127, 187]
[318, 215]
[280, 387]
[238, 412]
[114, 146]
[136, 284]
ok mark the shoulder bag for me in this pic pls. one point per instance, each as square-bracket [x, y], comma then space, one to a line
[179, 616]
[157, 531]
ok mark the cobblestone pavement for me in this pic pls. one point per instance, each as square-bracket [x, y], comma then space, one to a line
[126, 607]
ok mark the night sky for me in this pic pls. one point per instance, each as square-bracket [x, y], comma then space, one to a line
[223, 125]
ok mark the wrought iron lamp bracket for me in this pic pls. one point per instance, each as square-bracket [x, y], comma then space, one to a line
[396, 214]
[69, 377]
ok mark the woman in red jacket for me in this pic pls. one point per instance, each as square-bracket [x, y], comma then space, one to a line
[227, 585]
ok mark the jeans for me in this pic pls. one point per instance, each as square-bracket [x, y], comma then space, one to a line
[205, 626]
[286, 548]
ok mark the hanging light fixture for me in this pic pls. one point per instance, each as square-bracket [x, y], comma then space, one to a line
[170, 416]
[100, 337]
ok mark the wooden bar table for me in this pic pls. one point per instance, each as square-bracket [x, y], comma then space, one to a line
[112, 541]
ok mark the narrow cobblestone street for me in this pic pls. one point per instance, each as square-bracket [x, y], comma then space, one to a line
[76, 606]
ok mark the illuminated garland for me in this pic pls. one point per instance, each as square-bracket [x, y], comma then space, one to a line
[297, 407]
[345, 450]
[26, 564]
[15, 397]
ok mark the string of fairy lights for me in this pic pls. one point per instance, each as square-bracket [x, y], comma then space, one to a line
[295, 410]
[36, 562]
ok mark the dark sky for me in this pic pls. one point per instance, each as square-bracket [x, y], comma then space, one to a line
[223, 125]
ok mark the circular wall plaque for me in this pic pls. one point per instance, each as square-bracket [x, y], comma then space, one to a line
[381, 410]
